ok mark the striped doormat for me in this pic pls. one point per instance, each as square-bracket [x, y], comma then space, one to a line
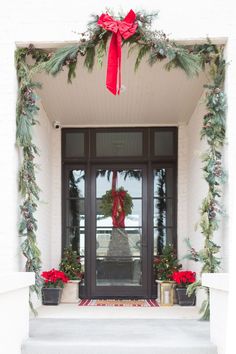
[119, 303]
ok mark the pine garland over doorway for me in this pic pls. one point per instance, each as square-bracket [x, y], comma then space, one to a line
[153, 46]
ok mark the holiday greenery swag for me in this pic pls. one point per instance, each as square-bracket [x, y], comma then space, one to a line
[166, 263]
[54, 278]
[70, 264]
[146, 43]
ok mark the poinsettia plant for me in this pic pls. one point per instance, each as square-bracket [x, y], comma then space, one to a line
[184, 278]
[54, 278]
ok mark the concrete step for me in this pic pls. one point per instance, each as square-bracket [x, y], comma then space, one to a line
[118, 336]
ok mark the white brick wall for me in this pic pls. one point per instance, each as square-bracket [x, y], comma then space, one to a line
[9, 253]
[43, 139]
[54, 20]
[56, 198]
[197, 187]
[231, 190]
[182, 217]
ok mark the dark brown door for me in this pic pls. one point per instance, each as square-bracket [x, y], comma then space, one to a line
[117, 260]
[119, 231]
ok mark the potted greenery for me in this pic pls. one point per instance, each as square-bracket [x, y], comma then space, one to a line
[71, 266]
[183, 279]
[164, 266]
[53, 282]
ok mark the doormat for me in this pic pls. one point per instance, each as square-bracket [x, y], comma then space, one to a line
[119, 303]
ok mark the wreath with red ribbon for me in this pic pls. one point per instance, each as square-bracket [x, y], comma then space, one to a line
[116, 204]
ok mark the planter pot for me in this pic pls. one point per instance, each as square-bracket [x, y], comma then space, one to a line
[51, 296]
[183, 298]
[70, 293]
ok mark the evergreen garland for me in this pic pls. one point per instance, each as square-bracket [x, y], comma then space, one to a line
[155, 44]
[213, 131]
[156, 47]
[26, 112]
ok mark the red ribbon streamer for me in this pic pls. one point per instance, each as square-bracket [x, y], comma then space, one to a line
[121, 29]
[118, 213]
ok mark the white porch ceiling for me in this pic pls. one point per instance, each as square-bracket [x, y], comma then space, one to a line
[153, 96]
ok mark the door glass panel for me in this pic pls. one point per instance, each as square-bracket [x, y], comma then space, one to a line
[75, 212]
[162, 237]
[164, 143]
[74, 144]
[106, 245]
[131, 180]
[119, 144]
[76, 183]
[118, 228]
[103, 182]
[163, 210]
[163, 182]
[75, 238]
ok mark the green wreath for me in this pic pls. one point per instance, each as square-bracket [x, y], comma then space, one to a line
[107, 203]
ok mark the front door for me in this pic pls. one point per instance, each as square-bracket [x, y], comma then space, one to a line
[119, 232]
[118, 206]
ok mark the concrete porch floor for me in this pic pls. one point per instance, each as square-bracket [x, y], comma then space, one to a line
[106, 312]
[73, 329]
[118, 336]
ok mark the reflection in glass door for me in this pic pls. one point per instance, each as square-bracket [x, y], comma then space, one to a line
[119, 244]
[163, 208]
[74, 222]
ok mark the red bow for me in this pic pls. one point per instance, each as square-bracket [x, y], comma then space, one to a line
[118, 213]
[125, 29]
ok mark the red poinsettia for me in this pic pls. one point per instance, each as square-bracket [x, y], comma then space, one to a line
[54, 278]
[184, 278]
